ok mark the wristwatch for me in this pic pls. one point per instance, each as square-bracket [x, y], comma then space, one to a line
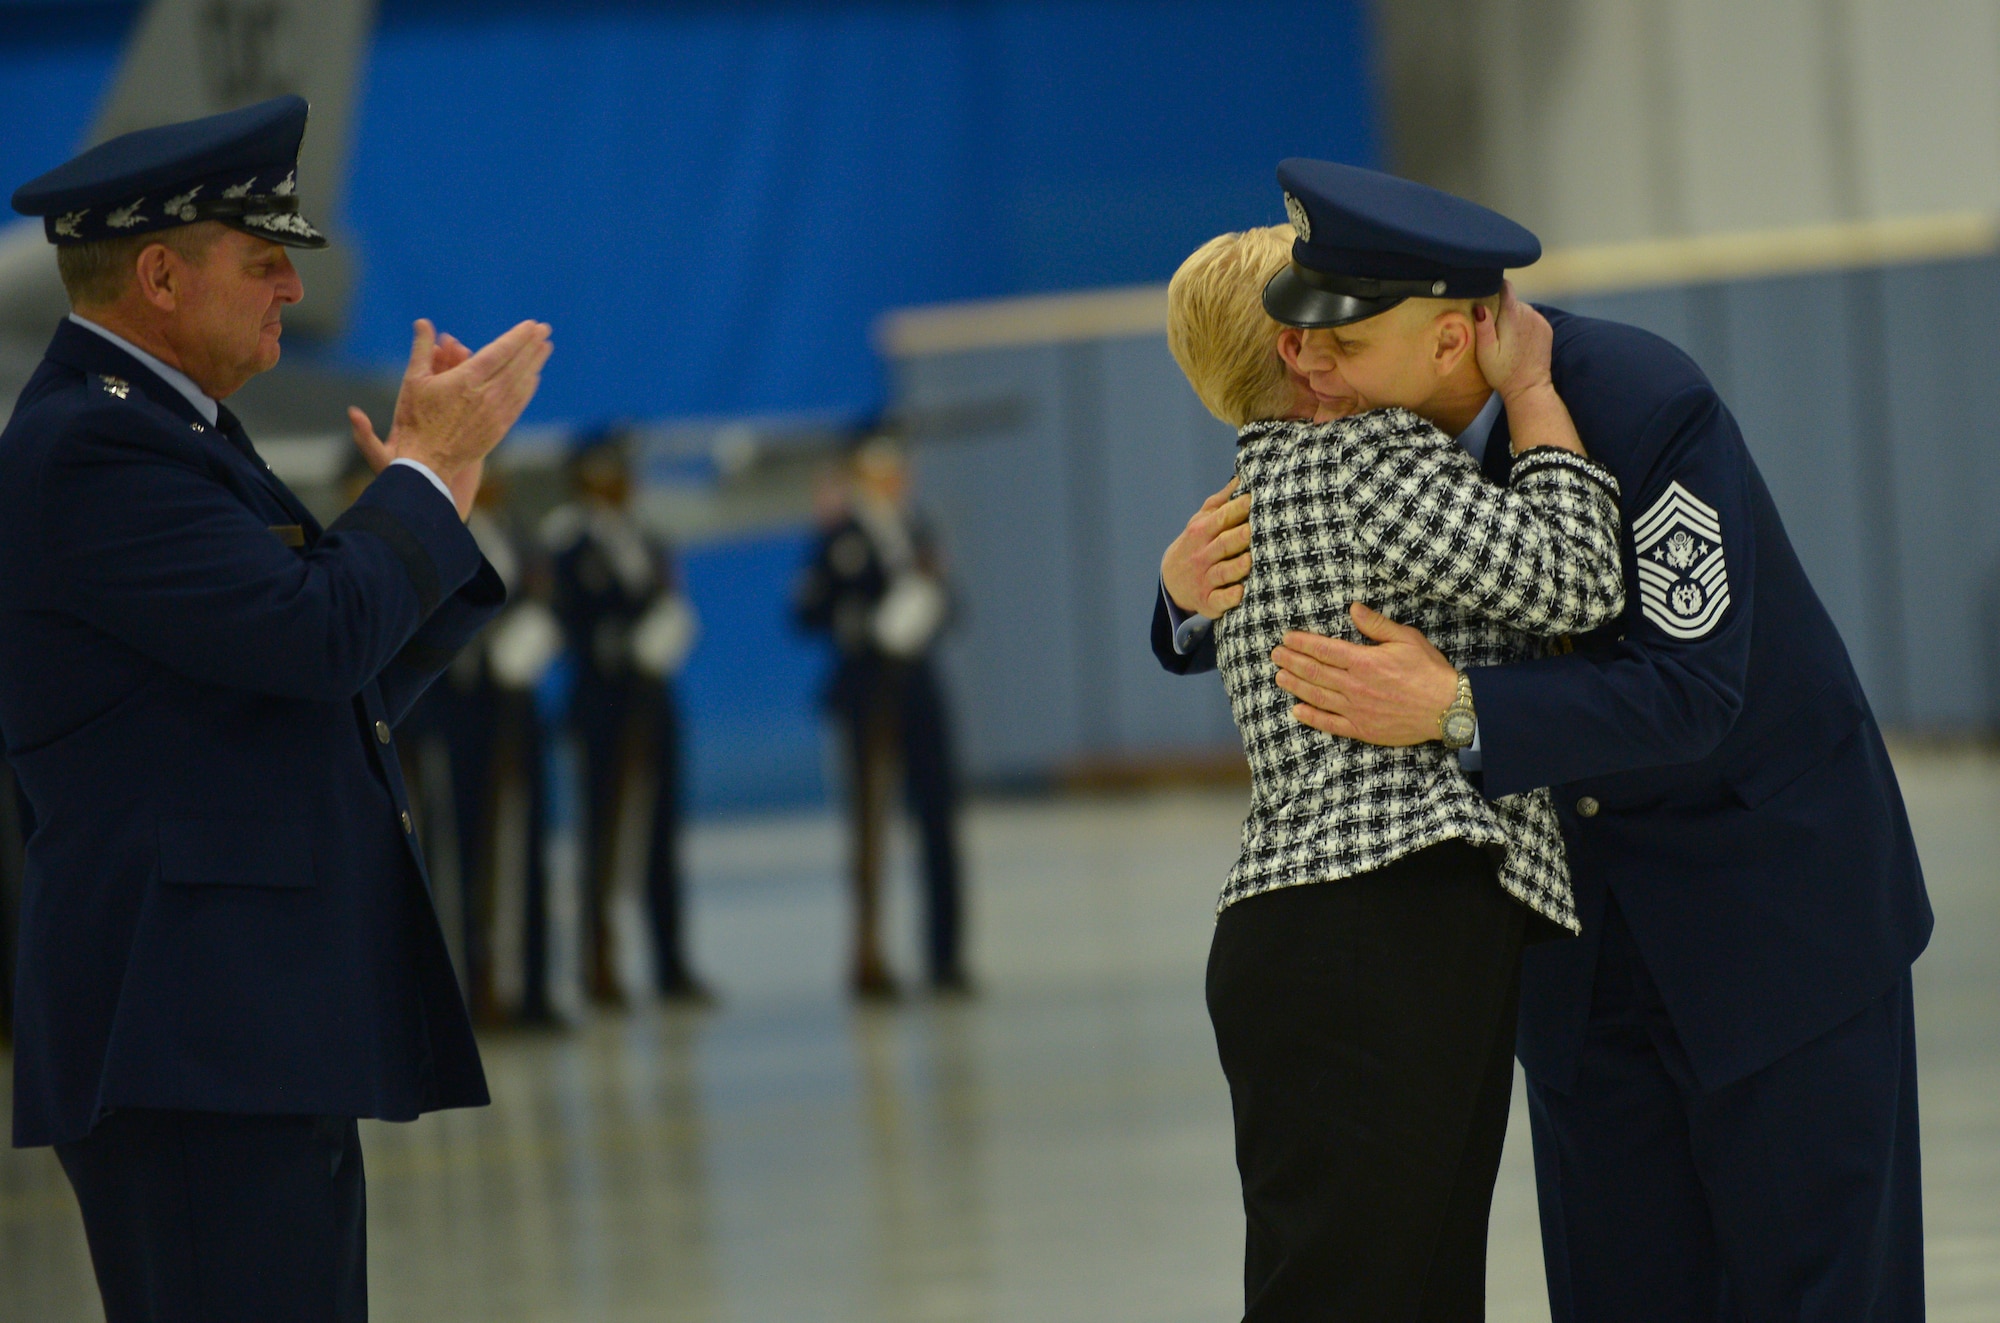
[1457, 724]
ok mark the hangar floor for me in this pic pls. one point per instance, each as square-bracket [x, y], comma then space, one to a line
[1056, 1149]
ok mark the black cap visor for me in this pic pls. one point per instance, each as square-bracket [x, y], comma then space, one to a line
[267, 216]
[284, 238]
[1293, 300]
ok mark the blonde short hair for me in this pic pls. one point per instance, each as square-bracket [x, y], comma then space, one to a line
[1218, 330]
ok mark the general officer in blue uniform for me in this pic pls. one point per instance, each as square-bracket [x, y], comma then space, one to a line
[228, 951]
[1721, 1070]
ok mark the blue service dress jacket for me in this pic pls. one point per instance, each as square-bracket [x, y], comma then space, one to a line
[224, 907]
[1716, 765]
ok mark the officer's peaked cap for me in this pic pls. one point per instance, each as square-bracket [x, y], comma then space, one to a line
[1366, 241]
[239, 168]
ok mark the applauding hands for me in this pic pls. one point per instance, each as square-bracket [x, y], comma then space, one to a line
[455, 405]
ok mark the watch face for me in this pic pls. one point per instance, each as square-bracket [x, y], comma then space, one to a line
[1458, 728]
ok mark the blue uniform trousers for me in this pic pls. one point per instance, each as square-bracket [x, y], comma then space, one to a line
[1660, 1201]
[625, 725]
[494, 735]
[894, 714]
[206, 1217]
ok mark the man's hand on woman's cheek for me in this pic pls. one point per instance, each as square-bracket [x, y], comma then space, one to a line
[1390, 691]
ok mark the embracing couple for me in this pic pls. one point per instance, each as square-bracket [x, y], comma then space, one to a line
[1555, 754]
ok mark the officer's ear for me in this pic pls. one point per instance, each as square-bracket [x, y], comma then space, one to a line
[158, 276]
[1290, 341]
[1452, 340]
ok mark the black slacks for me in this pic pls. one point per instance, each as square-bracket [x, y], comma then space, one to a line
[1366, 1026]
[199, 1217]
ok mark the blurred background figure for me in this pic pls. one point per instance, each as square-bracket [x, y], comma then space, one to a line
[875, 585]
[485, 710]
[629, 629]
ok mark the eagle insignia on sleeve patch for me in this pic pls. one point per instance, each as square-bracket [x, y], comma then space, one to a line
[1683, 582]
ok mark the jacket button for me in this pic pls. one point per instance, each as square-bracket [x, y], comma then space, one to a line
[406, 820]
[382, 731]
[1587, 807]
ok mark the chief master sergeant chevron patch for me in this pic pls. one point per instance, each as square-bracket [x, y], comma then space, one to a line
[1683, 584]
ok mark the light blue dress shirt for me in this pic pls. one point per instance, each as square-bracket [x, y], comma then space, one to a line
[207, 407]
[1191, 627]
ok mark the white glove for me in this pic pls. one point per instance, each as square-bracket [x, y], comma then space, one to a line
[664, 637]
[909, 615]
[523, 644]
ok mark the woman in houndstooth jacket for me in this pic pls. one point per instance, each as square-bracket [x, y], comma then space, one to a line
[1366, 1026]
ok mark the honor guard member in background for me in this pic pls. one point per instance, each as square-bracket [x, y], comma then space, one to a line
[629, 629]
[875, 585]
[1721, 1069]
[228, 952]
[485, 709]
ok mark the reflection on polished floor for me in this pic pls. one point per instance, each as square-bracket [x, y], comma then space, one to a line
[1057, 1149]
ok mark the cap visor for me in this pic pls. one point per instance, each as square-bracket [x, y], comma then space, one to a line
[287, 228]
[1292, 302]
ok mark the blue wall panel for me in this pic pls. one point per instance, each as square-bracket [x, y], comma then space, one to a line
[713, 202]
[1000, 502]
[1163, 455]
[1940, 344]
[750, 690]
[1789, 347]
[55, 62]
[1056, 526]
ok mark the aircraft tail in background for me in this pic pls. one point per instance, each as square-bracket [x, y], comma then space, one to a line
[189, 58]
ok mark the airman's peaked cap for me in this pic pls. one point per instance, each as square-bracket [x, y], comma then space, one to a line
[239, 168]
[1366, 241]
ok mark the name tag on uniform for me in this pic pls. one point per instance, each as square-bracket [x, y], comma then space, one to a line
[292, 535]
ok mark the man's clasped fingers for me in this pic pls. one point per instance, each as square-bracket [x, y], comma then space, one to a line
[449, 352]
[511, 352]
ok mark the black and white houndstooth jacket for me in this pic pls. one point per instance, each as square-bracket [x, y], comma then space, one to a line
[1383, 508]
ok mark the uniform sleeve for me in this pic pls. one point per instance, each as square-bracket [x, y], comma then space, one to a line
[1540, 554]
[1196, 660]
[1670, 688]
[157, 552]
[440, 639]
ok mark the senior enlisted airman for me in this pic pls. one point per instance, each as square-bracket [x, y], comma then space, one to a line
[1722, 1069]
[227, 950]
